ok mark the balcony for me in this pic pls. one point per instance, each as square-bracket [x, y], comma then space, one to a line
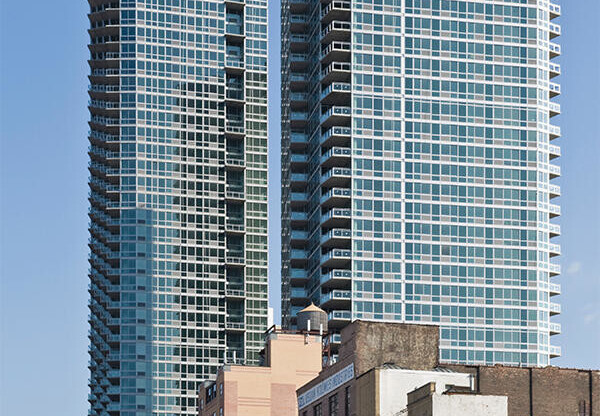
[298, 179]
[234, 193]
[235, 324]
[234, 291]
[554, 30]
[554, 151]
[298, 140]
[336, 177]
[234, 31]
[299, 61]
[554, 351]
[298, 23]
[336, 51]
[333, 339]
[554, 10]
[336, 136]
[298, 81]
[554, 308]
[336, 217]
[298, 256]
[336, 237]
[554, 49]
[235, 226]
[298, 99]
[336, 71]
[336, 279]
[299, 236]
[234, 127]
[555, 328]
[554, 109]
[554, 249]
[234, 64]
[336, 93]
[336, 258]
[554, 171]
[336, 30]
[554, 230]
[554, 69]
[234, 258]
[554, 190]
[336, 299]
[299, 293]
[234, 94]
[336, 115]
[298, 119]
[554, 210]
[335, 10]
[339, 318]
[554, 289]
[339, 197]
[298, 217]
[299, 160]
[299, 199]
[554, 89]
[298, 276]
[553, 131]
[336, 156]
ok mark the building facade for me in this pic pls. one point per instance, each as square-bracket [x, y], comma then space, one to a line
[290, 361]
[178, 198]
[381, 364]
[417, 159]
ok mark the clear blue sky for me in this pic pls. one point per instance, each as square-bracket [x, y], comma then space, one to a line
[43, 203]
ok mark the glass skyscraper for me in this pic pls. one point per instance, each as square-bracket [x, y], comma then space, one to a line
[417, 166]
[178, 198]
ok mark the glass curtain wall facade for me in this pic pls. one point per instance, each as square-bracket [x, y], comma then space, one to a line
[417, 159]
[178, 198]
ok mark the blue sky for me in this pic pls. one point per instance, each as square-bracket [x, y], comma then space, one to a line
[43, 229]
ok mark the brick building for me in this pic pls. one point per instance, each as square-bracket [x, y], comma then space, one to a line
[377, 359]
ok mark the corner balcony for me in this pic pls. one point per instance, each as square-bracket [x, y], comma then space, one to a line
[336, 279]
[339, 318]
[336, 299]
[336, 237]
[555, 328]
[554, 171]
[554, 89]
[554, 151]
[336, 258]
[336, 71]
[336, 136]
[337, 218]
[554, 308]
[554, 351]
[335, 10]
[554, 269]
[554, 10]
[554, 132]
[337, 93]
[336, 30]
[554, 230]
[554, 49]
[554, 109]
[336, 156]
[339, 197]
[554, 191]
[554, 249]
[336, 177]
[554, 70]
[554, 289]
[554, 210]
[339, 116]
[554, 30]
[336, 51]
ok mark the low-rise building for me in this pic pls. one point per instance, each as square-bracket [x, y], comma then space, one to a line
[432, 400]
[379, 364]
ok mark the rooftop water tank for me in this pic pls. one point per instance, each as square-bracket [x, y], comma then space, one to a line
[312, 318]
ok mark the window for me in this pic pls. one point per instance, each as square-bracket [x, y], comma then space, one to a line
[317, 410]
[347, 401]
[333, 405]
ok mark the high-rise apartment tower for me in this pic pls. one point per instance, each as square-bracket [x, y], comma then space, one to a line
[178, 198]
[417, 160]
